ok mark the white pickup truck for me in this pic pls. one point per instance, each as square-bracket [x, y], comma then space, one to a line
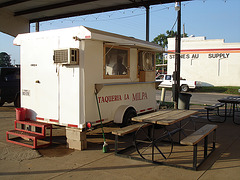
[167, 81]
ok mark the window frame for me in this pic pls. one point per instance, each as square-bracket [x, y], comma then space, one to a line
[105, 76]
[138, 64]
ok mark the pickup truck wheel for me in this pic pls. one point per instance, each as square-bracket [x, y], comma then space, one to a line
[184, 88]
[128, 115]
[1, 103]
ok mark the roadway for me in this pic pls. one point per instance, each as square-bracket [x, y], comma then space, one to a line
[197, 98]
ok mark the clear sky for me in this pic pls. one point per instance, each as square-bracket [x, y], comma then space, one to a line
[214, 19]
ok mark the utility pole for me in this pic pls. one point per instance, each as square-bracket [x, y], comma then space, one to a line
[147, 22]
[176, 74]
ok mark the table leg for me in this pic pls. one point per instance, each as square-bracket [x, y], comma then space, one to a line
[179, 134]
[195, 156]
[233, 111]
[205, 147]
[225, 118]
[234, 106]
[153, 127]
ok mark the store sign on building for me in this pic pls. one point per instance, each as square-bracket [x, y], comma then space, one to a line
[196, 56]
[219, 55]
[186, 56]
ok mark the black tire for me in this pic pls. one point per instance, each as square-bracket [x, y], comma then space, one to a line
[128, 115]
[184, 88]
[1, 103]
[17, 101]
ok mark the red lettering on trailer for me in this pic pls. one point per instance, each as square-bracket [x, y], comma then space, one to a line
[139, 96]
[135, 97]
[107, 99]
[126, 96]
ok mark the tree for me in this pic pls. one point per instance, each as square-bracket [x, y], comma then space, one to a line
[161, 39]
[5, 60]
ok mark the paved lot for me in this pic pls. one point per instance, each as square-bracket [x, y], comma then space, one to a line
[197, 98]
[59, 162]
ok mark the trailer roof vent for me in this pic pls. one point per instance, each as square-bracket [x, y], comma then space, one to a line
[66, 56]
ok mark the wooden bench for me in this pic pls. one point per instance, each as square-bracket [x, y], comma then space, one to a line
[214, 107]
[196, 137]
[127, 130]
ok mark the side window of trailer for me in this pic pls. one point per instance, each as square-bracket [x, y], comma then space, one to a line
[146, 61]
[116, 62]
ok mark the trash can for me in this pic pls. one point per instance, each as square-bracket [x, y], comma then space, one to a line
[184, 100]
[20, 114]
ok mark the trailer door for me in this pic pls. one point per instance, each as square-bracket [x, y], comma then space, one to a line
[39, 80]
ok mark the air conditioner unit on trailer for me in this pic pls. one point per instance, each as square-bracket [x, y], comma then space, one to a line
[66, 56]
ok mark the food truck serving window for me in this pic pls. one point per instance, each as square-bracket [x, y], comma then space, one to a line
[116, 62]
[146, 61]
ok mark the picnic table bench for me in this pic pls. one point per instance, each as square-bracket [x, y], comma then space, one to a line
[196, 137]
[212, 108]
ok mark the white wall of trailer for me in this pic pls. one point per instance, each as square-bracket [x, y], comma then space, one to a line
[213, 62]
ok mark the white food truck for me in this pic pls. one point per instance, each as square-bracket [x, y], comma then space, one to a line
[62, 72]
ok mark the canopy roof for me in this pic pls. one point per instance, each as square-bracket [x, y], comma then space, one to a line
[43, 10]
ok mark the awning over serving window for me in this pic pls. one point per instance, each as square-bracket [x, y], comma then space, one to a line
[82, 32]
[119, 40]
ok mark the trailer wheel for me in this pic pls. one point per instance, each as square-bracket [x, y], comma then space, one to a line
[128, 115]
[184, 88]
[17, 101]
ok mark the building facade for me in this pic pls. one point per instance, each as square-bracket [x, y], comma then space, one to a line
[213, 62]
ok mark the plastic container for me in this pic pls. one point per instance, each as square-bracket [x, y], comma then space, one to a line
[21, 114]
[184, 100]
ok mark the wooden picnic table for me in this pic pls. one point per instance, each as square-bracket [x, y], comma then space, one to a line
[151, 139]
[165, 117]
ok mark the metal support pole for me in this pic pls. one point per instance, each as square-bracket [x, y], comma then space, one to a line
[147, 22]
[163, 93]
[37, 27]
[177, 60]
